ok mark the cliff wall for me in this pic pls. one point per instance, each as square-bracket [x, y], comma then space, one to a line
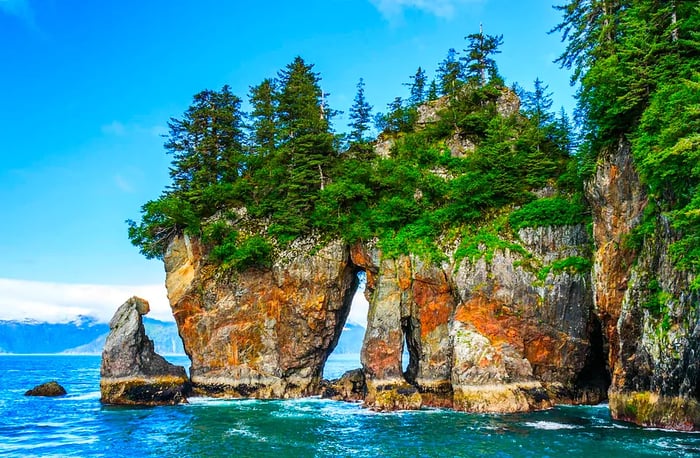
[483, 334]
[507, 328]
[649, 312]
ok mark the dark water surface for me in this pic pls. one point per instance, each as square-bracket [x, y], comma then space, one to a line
[77, 425]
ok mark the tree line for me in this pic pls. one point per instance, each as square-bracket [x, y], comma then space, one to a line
[637, 64]
[249, 183]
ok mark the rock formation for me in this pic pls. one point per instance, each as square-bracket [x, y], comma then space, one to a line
[131, 372]
[504, 328]
[49, 389]
[483, 334]
[350, 387]
[650, 316]
[264, 334]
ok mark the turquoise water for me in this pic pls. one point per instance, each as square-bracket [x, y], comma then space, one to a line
[77, 425]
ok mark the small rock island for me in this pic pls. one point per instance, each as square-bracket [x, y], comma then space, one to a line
[132, 373]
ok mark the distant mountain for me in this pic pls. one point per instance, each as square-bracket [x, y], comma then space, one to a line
[350, 340]
[82, 335]
[31, 336]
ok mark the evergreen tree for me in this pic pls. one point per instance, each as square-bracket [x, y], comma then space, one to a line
[360, 116]
[300, 109]
[537, 104]
[263, 101]
[399, 117]
[636, 62]
[207, 143]
[417, 88]
[306, 146]
[449, 73]
[432, 90]
[563, 133]
[479, 64]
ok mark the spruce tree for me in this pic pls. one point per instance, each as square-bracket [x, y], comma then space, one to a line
[537, 104]
[449, 73]
[360, 116]
[306, 145]
[417, 88]
[207, 143]
[263, 101]
[432, 90]
[479, 65]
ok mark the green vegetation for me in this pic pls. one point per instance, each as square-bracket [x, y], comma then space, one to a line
[637, 64]
[570, 265]
[249, 183]
[552, 211]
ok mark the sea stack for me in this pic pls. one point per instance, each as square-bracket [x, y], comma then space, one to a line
[132, 373]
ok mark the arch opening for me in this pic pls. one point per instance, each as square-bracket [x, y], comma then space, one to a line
[345, 354]
[410, 355]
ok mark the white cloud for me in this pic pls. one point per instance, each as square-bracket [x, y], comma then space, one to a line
[114, 128]
[358, 309]
[123, 184]
[62, 302]
[392, 9]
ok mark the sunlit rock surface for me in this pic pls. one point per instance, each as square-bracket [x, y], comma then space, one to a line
[131, 372]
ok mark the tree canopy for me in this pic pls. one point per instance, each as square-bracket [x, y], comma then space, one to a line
[248, 189]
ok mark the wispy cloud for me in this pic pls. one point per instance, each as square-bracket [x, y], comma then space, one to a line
[62, 302]
[114, 128]
[393, 9]
[19, 8]
[120, 129]
[123, 184]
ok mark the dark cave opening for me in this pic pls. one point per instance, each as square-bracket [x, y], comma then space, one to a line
[595, 376]
[410, 356]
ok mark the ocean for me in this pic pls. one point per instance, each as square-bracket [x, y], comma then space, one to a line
[78, 425]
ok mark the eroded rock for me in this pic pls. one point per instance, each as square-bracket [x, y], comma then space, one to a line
[132, 373]
[261, 333]
[350, 387]
[49, 389]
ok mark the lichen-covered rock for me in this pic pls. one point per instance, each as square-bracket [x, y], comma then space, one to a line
[49, 389]
[132, 373]
[350, 387]
[519, 335]
[650, 316]
[260, 333]
[393, 396]
[617, 201]
[657, 375]
[488, 323]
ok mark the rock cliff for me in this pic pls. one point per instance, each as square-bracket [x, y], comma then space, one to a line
[517, 323]
[261, 333]
[131, 372]
[650, 314]
[483, 334]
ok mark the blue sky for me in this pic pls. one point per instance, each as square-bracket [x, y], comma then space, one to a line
[86, 89]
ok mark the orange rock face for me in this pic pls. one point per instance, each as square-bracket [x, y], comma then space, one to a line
[618, 201]
[259, 333]
[464, 329]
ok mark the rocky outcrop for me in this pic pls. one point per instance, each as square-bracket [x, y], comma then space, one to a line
[649, 312]
[49, 389]
[131, 372]
[351, 387]
[508, 326]
[483, 334]
[261, 333]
